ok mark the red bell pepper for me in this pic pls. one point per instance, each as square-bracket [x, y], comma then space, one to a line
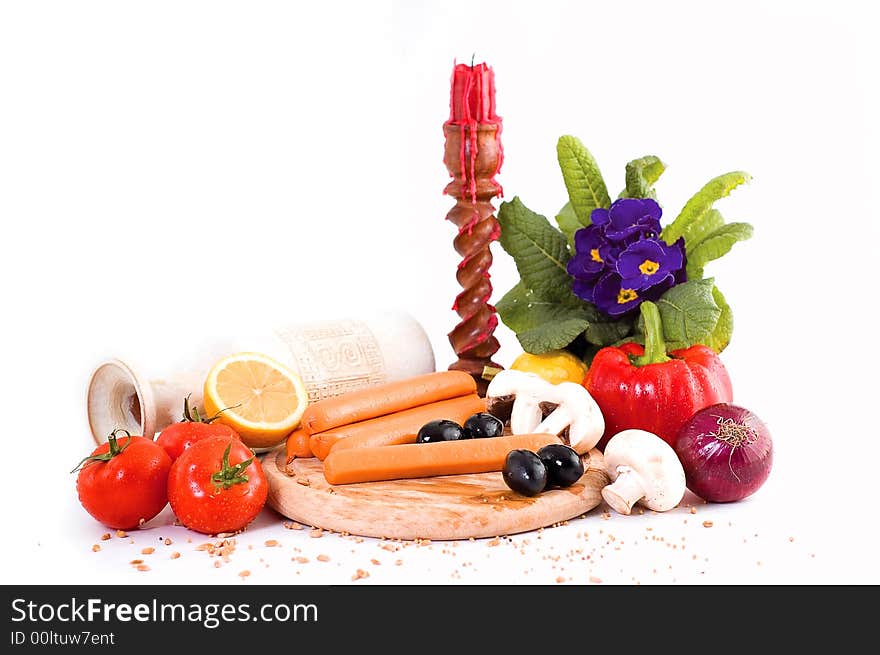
[643, 388]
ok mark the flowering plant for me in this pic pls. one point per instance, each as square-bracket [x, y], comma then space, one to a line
[581, 285]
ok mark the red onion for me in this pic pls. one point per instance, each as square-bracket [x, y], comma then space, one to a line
[726, 452]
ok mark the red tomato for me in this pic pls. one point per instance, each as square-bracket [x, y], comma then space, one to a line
[217, 485]
[177, 437]
[124, 482]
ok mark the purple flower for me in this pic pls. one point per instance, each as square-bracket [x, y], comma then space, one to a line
[592, 254]
[620, 260]
[616, 297]
[613, 298]
[648, 262]
[627, 217]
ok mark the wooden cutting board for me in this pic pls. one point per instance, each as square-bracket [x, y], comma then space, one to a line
[439, 508]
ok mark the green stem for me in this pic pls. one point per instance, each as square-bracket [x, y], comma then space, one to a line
[191, 413]
[113, 450]
[230, 475]
[655, 345]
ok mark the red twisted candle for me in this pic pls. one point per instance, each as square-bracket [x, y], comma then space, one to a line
[473, 157]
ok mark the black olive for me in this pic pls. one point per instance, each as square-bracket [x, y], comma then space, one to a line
[483, 425]
[563, 464]
[524, 472]
[442, 430]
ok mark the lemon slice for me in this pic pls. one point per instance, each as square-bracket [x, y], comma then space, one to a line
[263, 400]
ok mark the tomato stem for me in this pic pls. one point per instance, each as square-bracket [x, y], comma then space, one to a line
[228, 475]
[191, 413]
[112, 451]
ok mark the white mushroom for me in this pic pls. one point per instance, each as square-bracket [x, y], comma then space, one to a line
[573, 413]
[529, 391]
[576, 411]
[643, 469]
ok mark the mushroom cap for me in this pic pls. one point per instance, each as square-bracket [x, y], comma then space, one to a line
[654, 460]
[510, 382]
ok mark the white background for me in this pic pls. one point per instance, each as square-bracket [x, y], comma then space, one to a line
[175, 171]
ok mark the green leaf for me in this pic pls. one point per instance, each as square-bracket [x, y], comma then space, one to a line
[552, 335]
[689, 313]
[538, 249]
[607, 334]
[719, 339]
[695, 208]
[513, 308]
[697, 231]
[715, 245]
[569, 223]
[641, 175]
[521, 309]
[586, 188]
[542, 325]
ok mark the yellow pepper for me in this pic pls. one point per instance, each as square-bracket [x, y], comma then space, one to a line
[555, 366]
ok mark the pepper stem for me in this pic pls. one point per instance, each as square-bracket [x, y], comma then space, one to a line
[655, 345]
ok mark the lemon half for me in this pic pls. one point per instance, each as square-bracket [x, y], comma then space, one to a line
[262, 399]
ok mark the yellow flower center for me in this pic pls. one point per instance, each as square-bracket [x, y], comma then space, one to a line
[594, 253]
[648, 267]
[626, 295]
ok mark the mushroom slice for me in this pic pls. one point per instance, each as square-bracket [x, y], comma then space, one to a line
[644, 469]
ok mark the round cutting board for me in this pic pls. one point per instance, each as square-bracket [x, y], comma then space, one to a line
[438, 508]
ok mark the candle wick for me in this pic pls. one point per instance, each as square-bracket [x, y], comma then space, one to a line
[473, 56]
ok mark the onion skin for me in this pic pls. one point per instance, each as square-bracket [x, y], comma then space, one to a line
[726, 452]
